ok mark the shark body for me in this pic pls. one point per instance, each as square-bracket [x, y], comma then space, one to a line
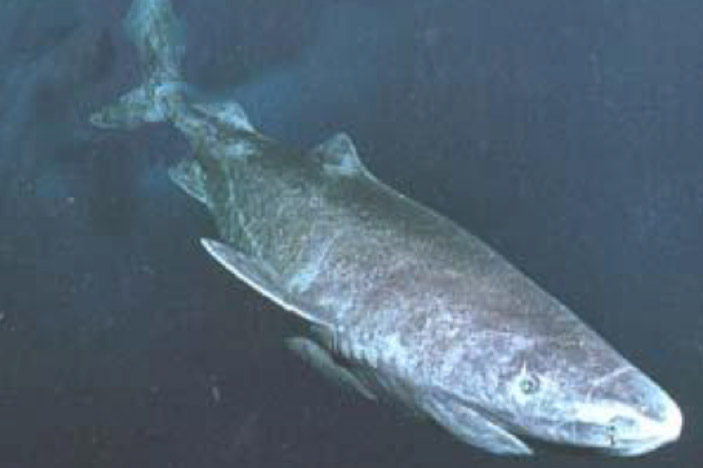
[403, 305]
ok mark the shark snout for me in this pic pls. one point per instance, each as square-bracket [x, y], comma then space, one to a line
[665, 420]
[645, 416]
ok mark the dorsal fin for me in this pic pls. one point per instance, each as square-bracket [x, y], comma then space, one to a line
[228, 113]
[339, 157]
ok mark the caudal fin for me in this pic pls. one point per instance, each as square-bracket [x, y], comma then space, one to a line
[159, 36]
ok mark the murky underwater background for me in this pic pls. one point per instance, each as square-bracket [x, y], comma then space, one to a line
[569, 135]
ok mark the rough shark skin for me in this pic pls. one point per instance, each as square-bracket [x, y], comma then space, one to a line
[403, 304]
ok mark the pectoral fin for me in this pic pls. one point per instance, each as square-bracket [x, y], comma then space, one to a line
[261, 277]
[322, 361]
[469, 426]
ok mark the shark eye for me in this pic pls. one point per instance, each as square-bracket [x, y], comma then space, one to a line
[529, 384]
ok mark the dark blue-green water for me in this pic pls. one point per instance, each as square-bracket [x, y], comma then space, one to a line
[567, 134]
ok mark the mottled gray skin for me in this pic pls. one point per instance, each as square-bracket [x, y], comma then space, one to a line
[407, 306]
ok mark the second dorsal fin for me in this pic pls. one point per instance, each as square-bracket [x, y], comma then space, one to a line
[228, 113]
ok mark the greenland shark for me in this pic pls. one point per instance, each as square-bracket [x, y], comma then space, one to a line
[402, 304]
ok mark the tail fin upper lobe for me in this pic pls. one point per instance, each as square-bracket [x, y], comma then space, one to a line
[159, 36]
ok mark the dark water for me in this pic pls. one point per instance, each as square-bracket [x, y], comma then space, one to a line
[567, 134]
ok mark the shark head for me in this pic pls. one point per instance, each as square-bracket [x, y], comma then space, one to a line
[615, 409]
[576, 392]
